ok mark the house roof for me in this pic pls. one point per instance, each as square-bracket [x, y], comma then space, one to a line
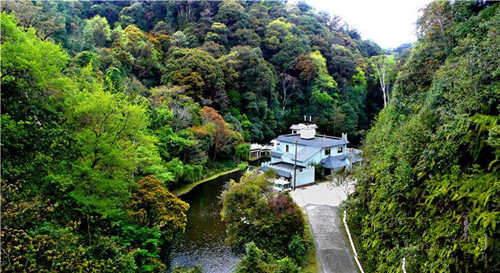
[318, 141]
[306, 152]
[280, 172]
[303, 126]
[256, 146]
[355, 155]
[286, 165]
[298, 126]
[333, 162]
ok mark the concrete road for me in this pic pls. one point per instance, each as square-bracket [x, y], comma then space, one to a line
[320, 194]
[320, 202]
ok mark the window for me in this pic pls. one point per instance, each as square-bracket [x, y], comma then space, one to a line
[327, 151]
[340, 149]
[287, 148]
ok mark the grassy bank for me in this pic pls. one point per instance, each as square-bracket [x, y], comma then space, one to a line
[188, 187]
[311, 265]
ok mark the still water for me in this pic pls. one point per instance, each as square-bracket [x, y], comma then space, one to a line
[203, 241]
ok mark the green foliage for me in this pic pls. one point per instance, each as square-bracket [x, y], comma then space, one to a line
[108, 130]
[194, 269]
[197, 71]
[25, 62]
[255, 213]
[243, 151]
[96, 32]
[243, 166]
[257, 260]
[84, 117]
[153, 205]
[324, 81]
[430, 189]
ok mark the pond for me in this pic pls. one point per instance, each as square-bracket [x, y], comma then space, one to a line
[203, 241]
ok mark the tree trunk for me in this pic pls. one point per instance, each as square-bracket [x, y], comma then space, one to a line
[88, 228]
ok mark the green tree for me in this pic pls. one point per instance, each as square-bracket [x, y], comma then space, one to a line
[109, 131]
[233, 15]
[429, 190]
[253, 261]
[96, 32]
[384, 66]
[153, 205]
[179, 39]
[198, 72]
[254, 213]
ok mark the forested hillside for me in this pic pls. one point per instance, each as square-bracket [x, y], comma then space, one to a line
[430, 189]
[106, 106]
[262, 65]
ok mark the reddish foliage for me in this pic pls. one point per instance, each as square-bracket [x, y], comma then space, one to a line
[304, 65]
[282, 204]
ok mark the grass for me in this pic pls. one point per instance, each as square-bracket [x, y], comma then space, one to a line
[188, 187]
[341, 215]
[311, 265]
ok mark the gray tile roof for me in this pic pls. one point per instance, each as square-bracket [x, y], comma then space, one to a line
[286, 165]
[306, 152]
[355, 157]
[334, 162]
[318, 141]
[280, 172]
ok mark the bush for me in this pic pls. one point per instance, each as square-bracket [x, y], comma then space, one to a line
[260, 261]
[183, 269]
[242, 151]
[255, 213]
[242, 166]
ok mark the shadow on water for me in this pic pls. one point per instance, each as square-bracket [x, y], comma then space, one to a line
[203, 241]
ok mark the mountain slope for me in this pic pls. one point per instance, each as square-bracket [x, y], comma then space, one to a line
[430, 188]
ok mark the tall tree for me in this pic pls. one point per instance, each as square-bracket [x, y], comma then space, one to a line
[289, 87]
[384, 66]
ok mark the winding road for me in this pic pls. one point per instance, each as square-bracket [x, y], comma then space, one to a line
[320, 203]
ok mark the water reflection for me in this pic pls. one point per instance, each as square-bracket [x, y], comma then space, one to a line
[203, 241]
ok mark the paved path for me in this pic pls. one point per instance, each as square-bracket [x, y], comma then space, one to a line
[320, 202]
[319, 194]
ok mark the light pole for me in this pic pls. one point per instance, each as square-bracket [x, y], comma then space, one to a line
[295, 166]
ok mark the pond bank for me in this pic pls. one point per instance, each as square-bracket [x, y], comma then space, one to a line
[203, 241]
[186, 188]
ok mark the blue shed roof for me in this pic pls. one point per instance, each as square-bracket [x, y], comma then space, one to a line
[306, 152]
[334, 162]
[355, 157]
[286, 165]
[280, 172]
[318, 141]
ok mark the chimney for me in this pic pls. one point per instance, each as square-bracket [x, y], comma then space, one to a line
[305, 118]
[308, 132]
[344, 136]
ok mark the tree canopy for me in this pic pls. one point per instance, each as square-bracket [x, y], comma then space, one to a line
[429, 192]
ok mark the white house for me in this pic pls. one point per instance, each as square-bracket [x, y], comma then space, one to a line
[293, 154]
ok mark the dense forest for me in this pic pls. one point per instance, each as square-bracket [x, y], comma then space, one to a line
[110, 106]
[429, 192]
[107, 107]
